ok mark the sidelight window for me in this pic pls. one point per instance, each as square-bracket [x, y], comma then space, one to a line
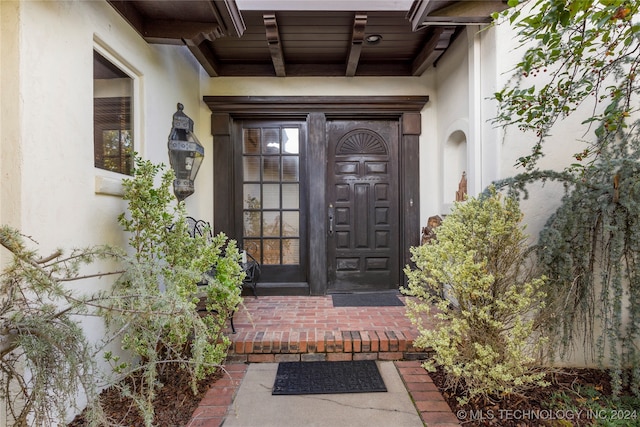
[271, 194]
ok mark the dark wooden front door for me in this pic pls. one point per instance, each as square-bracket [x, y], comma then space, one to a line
[362, 205]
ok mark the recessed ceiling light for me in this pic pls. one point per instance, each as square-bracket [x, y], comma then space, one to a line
[373, 38]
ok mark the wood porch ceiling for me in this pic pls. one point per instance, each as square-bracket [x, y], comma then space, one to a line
[229, 42]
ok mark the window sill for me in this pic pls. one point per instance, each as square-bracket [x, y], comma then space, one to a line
[108, 185]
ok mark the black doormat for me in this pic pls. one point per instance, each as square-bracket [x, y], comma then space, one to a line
[376, 299]
[361, 376]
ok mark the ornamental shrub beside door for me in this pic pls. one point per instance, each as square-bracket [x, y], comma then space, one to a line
[154, 303]
[476, 282]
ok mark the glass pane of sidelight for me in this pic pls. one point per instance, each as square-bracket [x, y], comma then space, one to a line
[271, 251]
[291, 224]
[290, 196]
[251, 141]
[251, 168]
[252, 223]
[290, 140]
[253, 247]
[290, 168]
[271, 196]
[290, 251]
[271, 224]
[271, 168]
[251, 196]
[271, 205]
[270, 141]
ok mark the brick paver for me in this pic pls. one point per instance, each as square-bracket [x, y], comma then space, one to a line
[290, 328]
[217, 402]
[301, 325]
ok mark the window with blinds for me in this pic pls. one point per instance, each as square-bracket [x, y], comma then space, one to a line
[112, 117]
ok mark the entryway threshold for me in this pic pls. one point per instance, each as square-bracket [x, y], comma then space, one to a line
[296, 328]
[278, 289]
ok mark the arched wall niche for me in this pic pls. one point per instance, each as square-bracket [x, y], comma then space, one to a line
[454, 164]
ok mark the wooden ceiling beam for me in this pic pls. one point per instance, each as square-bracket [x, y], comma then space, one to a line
[229, 17]
[181, 32]
[438, 12]
[275, 44]
[129, 12]
[357, 38]
[433, 49]
[224, 19]
[472, 10]
[419, 9]
[206, 58]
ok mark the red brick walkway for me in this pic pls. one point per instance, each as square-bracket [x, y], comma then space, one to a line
[275, 329]
[216, 404]
[433, 409]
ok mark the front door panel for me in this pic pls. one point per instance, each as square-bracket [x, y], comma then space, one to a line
[362, 205]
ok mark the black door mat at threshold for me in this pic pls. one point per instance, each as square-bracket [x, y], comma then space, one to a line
[373, 299]
[360, 376]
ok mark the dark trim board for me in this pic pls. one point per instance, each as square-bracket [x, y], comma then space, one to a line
[331, 106]
[316, 111]
[280, 289]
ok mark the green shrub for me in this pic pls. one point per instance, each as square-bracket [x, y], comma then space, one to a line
[475, 282]
[45, 358]
[154, 303]
[589, 249]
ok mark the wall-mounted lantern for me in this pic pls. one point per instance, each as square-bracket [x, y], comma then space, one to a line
[185, 154]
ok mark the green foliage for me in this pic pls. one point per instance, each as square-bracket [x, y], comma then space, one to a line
[586, 52]
[485, 297]
[601, 409]
[45, 358]
[589, 250]
[578, 52]
[154, 303]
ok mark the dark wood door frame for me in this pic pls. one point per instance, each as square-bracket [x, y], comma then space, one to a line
[316, 110]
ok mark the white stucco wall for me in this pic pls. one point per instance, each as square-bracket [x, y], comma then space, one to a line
[10, 110]
[465, 82]
[53, 86]
[48, 185]
[567, 137]
[452, 105]
[479, 63]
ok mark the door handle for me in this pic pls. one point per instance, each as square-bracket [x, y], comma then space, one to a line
[330, 214]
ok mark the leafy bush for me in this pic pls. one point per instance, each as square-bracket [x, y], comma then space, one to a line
[154, 303]
[45, 359]
[475, 278]
[589, 249]
[587, 53]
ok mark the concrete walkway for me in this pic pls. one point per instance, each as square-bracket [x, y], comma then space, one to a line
[393, 408]
[288, 328]
[243, 399]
